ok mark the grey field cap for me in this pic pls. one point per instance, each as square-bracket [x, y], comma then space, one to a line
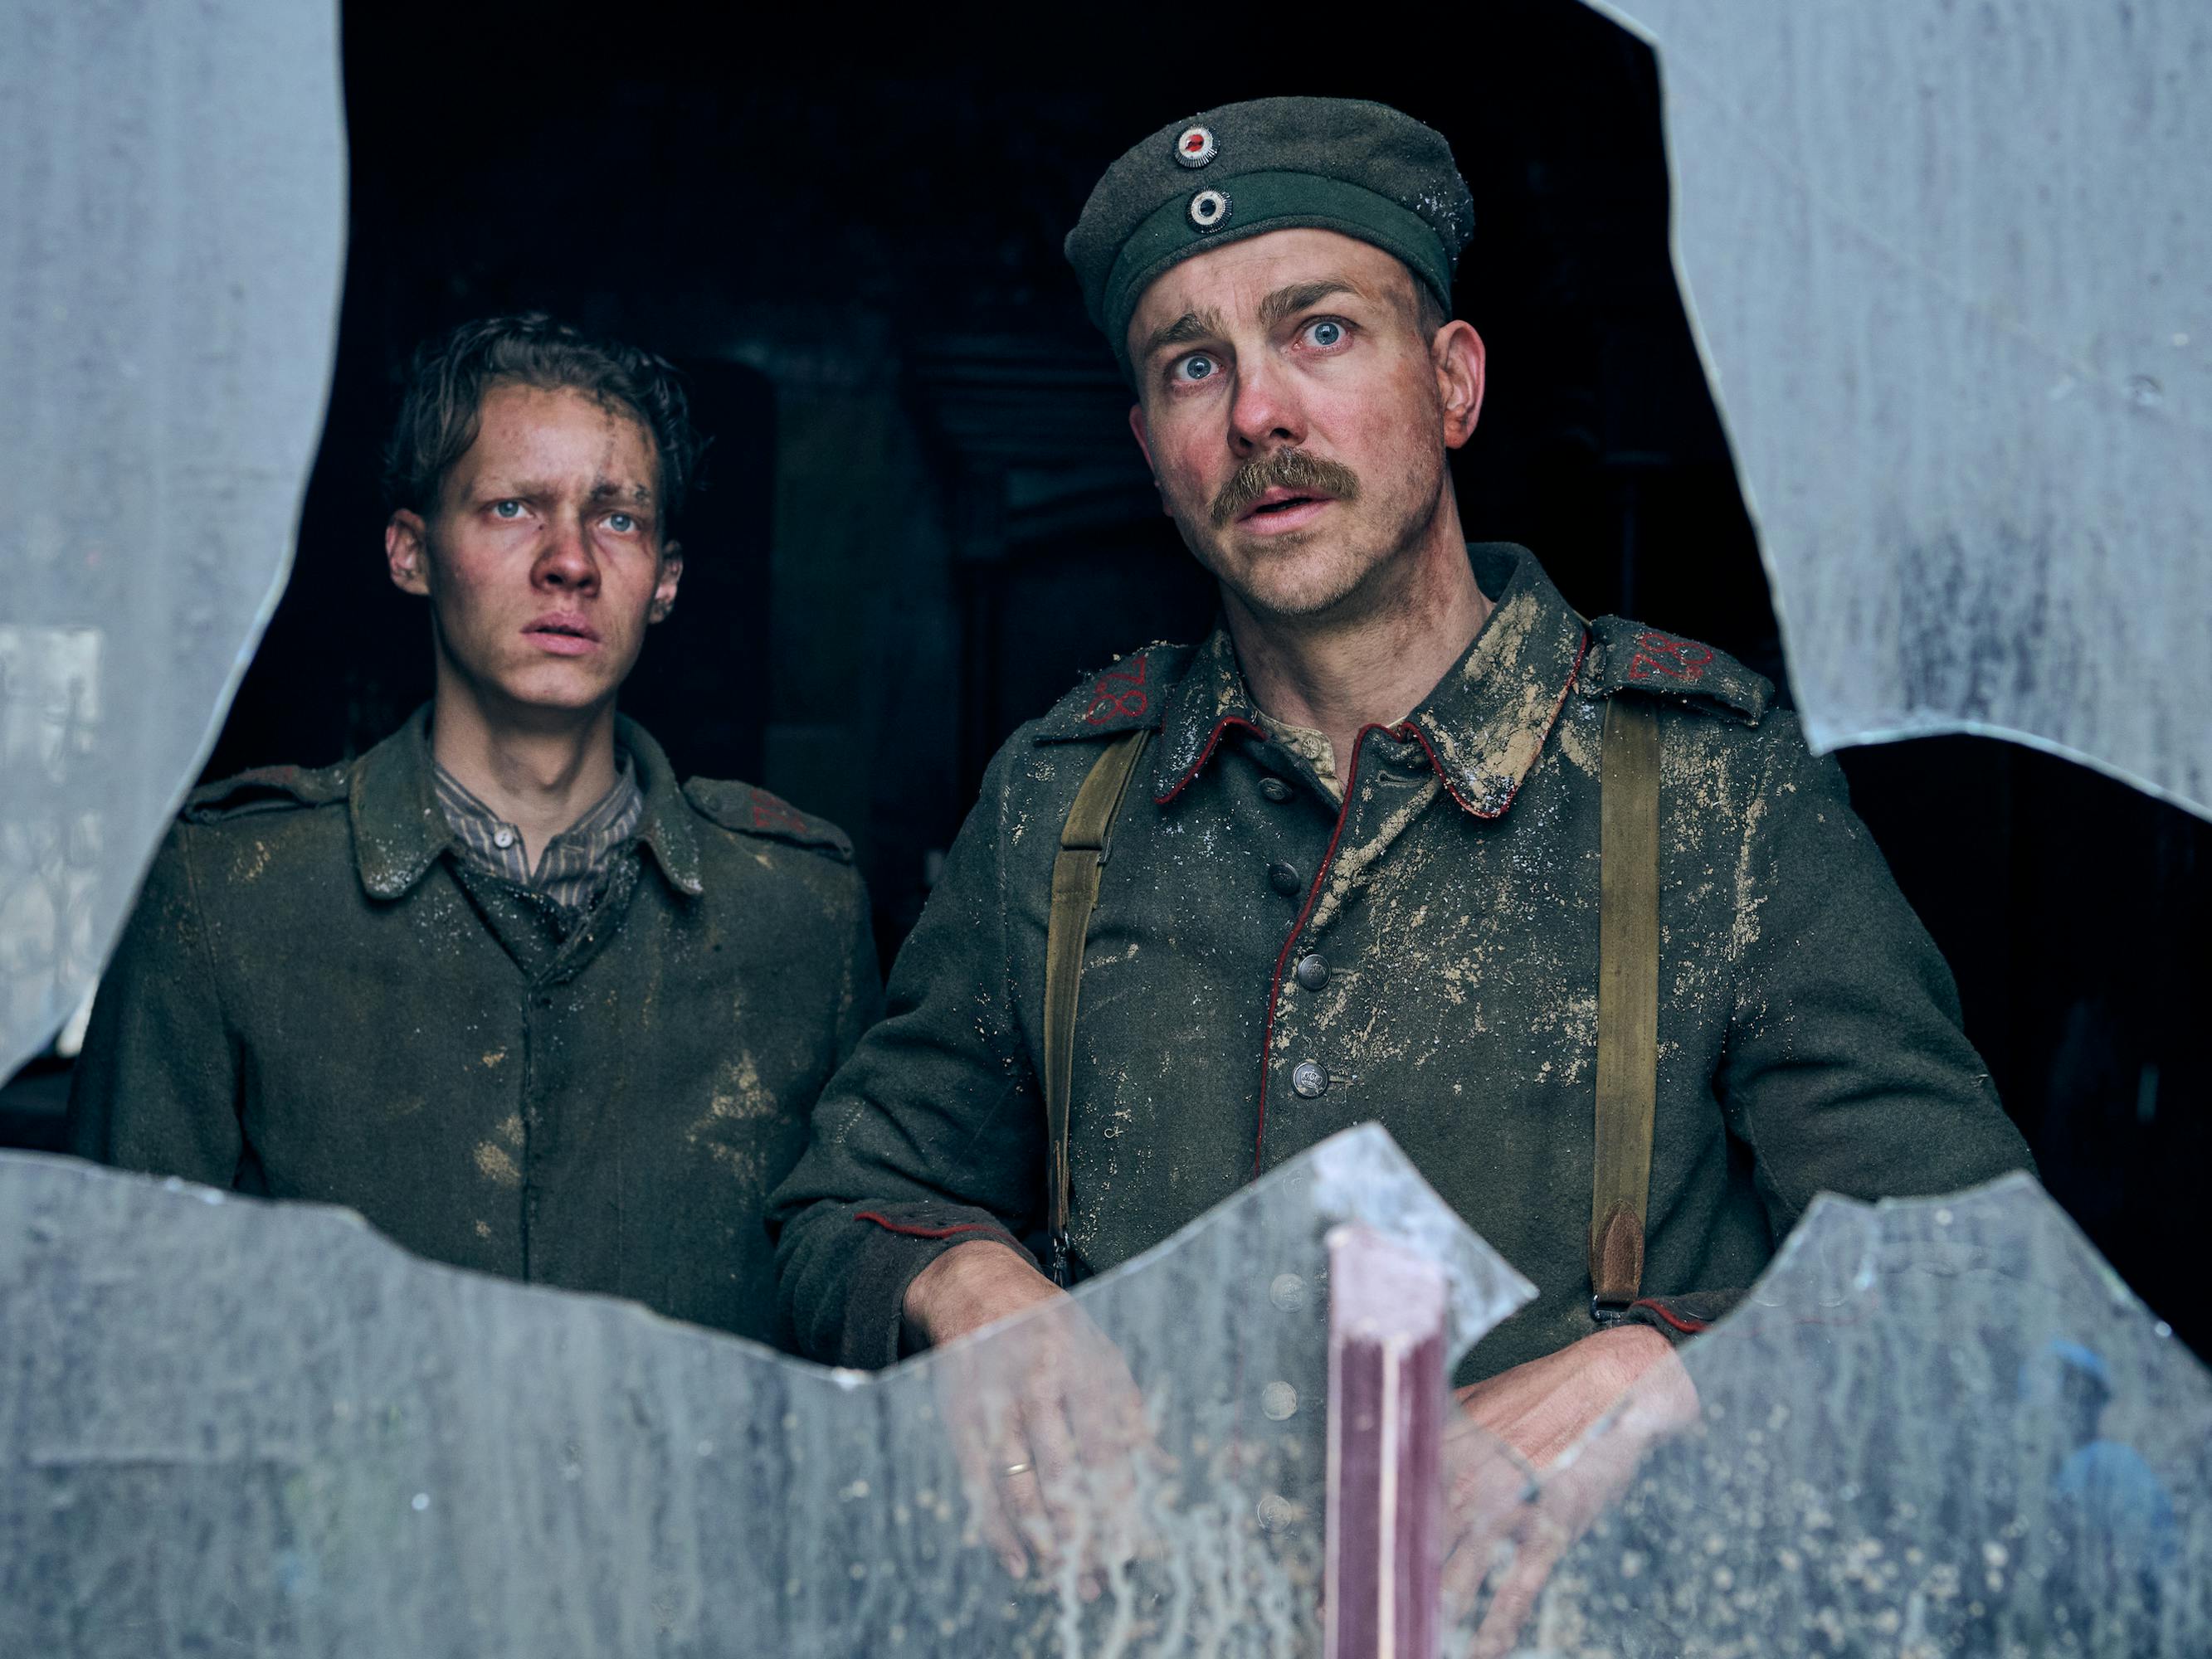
[1341, 164]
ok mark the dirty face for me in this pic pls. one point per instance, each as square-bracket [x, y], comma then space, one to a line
[1295, 411]
[544, 560]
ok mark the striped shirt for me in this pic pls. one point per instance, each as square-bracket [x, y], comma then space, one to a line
[569, 867]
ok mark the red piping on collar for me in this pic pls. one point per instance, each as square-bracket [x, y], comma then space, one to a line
[1313, 893]
[1212, 742]
[1422, 737]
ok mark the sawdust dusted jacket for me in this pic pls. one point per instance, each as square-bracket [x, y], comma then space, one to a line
[1264, 970]
[314, 999]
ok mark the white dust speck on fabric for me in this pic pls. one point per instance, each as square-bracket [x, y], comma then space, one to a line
[1748, 899]
[1580, 735]
[1354, 867]
[738, 1094]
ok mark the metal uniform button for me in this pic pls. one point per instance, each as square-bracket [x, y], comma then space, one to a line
[1279, 1401]
[1284, 880]
[1312, 972]
[1278, 1512]
[1275, 790]
[1288, 1292]
[1309, 1079]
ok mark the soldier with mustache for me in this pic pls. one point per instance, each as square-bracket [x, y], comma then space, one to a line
[1358, 863]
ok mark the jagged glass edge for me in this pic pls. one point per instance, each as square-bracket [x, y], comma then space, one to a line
[1824, 734]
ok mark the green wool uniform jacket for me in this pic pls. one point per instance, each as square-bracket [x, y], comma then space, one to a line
[316, 999]
[1265, 969]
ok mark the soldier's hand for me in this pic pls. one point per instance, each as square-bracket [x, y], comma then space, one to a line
[1536, 1453]
[1049, 1426]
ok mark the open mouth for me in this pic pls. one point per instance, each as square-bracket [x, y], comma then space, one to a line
[1283, 507]
[563, 633]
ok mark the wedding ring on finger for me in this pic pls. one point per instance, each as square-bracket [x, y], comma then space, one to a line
[1012, 1469]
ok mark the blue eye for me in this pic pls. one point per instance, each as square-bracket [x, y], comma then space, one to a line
[1196, 367]
[620, 523]
[1326, 332]
[506, 509]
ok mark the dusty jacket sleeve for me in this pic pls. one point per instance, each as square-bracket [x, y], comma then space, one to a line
[1846, 1068]
[931, 1134]
[155, 1087]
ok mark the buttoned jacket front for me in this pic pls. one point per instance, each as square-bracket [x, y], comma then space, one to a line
[1265, 969]
[318, 998]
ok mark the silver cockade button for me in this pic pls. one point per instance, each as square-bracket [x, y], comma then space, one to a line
[1309, 1079]
[1194, 146]
[1279, 1401]
[1209, 210]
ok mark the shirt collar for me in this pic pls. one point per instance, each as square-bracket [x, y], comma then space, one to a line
[1482, 725]
[399, 828]
[568, 866]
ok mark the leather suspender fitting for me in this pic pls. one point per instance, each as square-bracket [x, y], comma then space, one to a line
[1084, 841]
[1627, 1002]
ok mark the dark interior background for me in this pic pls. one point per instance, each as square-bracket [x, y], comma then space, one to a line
[924, 516]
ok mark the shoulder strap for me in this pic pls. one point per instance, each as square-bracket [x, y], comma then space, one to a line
[1627, 1001]
[1083, 841]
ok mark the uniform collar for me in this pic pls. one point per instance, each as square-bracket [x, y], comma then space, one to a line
[1483, 725]
[665, 828]
[399, 830]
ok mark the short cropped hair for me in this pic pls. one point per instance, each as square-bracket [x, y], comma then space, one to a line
[443, 405]
[1429, 311]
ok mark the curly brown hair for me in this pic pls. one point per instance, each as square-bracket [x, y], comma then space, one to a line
[448, 380]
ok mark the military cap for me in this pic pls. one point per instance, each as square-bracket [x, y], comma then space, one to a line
[1339, 164]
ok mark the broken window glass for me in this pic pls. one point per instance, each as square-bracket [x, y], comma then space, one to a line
[1937, 1426]
[1952, 273]
[238, 1426]
[173, 182]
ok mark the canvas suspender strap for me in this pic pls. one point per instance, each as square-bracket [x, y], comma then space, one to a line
[1083, 841]
[1627, 1001]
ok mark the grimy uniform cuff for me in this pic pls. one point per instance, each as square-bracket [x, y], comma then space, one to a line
[878, 1248]
[1680, 1318]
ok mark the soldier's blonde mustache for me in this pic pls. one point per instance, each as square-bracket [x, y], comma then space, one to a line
[1283, 468]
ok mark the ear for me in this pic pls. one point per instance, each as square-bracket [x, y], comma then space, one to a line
[664, 591]
[407, 552]
[1145, 447]
[1456, 353]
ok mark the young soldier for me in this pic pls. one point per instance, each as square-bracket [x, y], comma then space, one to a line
[1356, 873]
[503, 985]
